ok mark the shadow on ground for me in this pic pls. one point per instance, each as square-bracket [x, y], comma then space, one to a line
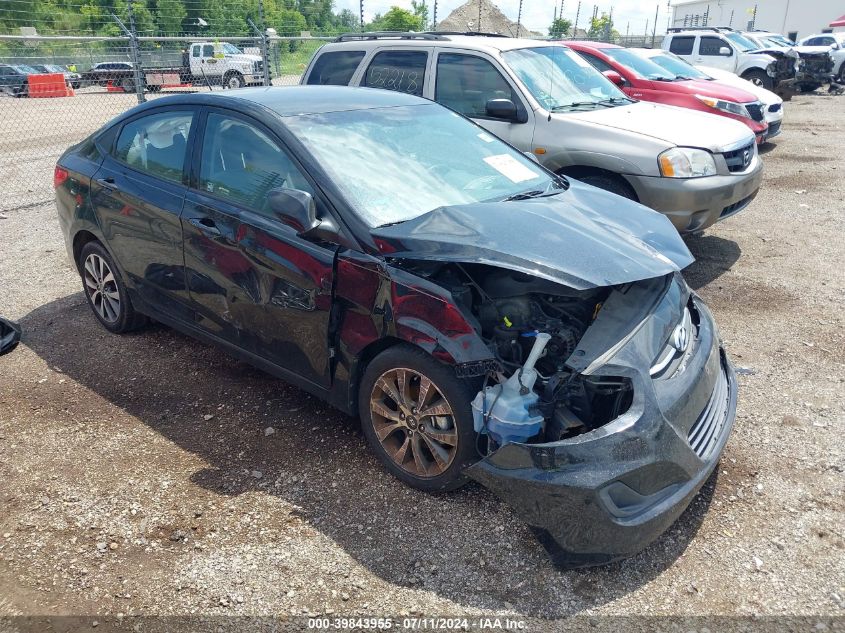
[714, 256]
[320, 464]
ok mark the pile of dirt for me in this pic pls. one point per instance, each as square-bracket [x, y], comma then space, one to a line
[466, 18]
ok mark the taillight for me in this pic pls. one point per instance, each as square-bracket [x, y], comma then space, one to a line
[59, 176]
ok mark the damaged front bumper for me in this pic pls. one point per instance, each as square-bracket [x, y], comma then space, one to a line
[607, 494]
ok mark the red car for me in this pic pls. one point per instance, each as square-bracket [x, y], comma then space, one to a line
[641, 78]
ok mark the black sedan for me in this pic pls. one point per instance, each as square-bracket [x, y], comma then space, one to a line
[14, 79]
[486, 318]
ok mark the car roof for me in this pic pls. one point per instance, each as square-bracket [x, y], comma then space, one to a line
[295, 100]
[591, 44]
[484, 43]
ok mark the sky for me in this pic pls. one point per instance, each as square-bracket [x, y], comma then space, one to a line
[537, 14]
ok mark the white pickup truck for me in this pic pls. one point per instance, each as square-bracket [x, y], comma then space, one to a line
[224, 63]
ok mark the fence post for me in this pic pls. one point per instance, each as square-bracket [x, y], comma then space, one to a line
[265, 56]
[135, 53]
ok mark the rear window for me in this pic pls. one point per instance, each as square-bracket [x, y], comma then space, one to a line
[402, 71]
[681, 45]
[335, 68]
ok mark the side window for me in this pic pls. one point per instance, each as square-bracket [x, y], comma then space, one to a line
[466, 83]
[599, 64]
[208, 50]
[241, 164]
[335, 68]
[681, 45]
[403, 71]
[195, 51]
[156, 144]
[711, 45]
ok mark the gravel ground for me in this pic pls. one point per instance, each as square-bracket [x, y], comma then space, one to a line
[138, 474]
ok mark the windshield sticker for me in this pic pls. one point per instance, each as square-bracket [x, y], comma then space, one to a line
[484, 136]
[510, 168]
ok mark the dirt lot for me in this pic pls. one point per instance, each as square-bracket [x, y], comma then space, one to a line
[137, 475]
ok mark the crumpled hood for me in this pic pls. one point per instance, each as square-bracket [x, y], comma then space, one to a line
[675, 126]
[583, 238]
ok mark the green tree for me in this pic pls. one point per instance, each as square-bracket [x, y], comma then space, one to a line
[169, 15]
[560, 28]
[602, 28]
[421, 11]
[396, 19]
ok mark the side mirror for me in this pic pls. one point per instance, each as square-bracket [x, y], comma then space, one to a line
[615, 77]
[502, 109]
[298, 210]
[725, 51]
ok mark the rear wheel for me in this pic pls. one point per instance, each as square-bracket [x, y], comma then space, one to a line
[234, 80]
[759, 78]
[106, 292]
[416, 415]
[127, 84]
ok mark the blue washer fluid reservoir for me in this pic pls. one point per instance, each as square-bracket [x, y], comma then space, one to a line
[505, 407]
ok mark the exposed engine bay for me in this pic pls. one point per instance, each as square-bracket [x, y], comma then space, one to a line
[532, 326]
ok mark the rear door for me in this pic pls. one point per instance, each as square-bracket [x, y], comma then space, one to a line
[400, 69]
[708, 53]
[683, 46]
[465, 82]
[253, 281]
[137, 195]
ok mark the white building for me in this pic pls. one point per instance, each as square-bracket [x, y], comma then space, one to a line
[790, 17]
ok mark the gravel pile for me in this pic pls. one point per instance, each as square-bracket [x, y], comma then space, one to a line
[466, 18]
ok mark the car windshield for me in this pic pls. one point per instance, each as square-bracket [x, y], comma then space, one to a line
[743, 43]
[641, 66]
[560, 79]
[231, 49]
[396, 164]
[779, 40]
[52, 69]
[678, 66]
[24, 69]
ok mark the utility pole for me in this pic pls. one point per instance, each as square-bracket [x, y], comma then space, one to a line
[754, 18]
[478, 28]
[434, 21]
[577, 14]
[518, 18]
[654, 32]
[362, 14]
[731, 21]
[135, 52]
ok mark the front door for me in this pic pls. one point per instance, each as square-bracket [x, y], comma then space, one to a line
[710, 50]
[137, 194]
[466, 83]
[254, 283]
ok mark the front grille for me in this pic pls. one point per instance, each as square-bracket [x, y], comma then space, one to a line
[704, 434]
[775, 107]
[258, 67]
[736, 207]
[755, 110]
[739, 159]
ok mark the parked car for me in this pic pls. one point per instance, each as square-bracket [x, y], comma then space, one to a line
[640, 78]
[730, 50]
[73, 79]
[815, 64]
[14, 79]
[360, 244]
[772, 103]
[118, 74]
[835, 42]
[544, 98]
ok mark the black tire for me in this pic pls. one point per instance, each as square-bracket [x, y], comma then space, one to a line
[759, 78]
[125, 318]
[127, 84]
[840, 78]
[231, 78]
[458, 395]
[613, 184]
[809, 86]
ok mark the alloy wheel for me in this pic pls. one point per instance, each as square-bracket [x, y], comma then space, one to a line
[101, 286]
[414, 422]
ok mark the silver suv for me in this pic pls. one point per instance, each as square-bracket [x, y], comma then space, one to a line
[543, 98]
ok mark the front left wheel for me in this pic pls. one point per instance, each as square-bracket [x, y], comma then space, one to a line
[416, 415]
[106, 292]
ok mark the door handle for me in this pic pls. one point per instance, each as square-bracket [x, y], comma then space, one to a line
[206, 225]
[106, 183]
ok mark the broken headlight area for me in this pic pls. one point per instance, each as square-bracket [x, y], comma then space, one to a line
[532, 327]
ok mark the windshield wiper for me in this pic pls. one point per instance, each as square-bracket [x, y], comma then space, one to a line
[578, 104]
[612, 100]
[557, 184]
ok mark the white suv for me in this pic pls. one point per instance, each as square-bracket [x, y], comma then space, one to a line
[543, 98]
[729, 50]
